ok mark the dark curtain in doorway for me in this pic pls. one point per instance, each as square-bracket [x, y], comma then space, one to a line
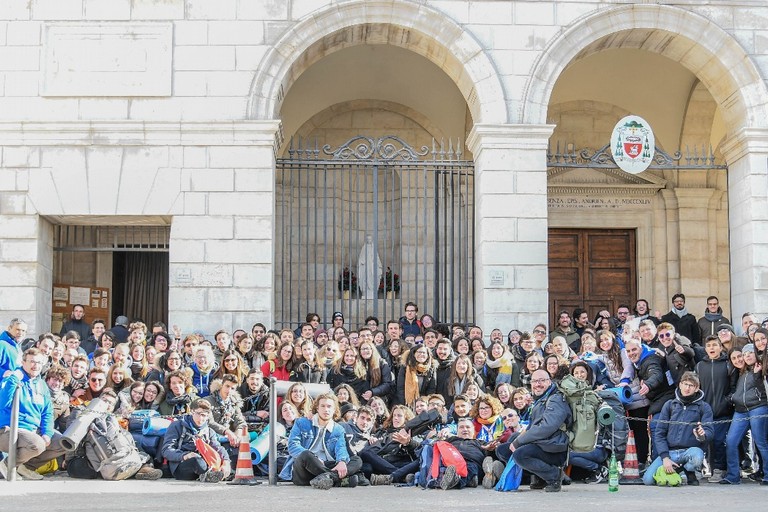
[141, 286]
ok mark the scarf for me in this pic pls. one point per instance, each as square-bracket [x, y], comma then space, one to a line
[179, 403]
[489, 421]
[680, 312]
[713, 317]
[412, 391]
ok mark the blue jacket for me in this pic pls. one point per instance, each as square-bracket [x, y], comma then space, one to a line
[202, 381]
[10, 353]
[35, 406]
[303, 435]
[550, 417]
[673, 436]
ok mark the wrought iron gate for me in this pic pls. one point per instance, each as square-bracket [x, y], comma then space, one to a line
[416, 205]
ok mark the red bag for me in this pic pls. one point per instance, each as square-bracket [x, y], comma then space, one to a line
[209, 455]
[445, 454]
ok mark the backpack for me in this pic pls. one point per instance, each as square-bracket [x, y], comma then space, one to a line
[619, 430]
[584, 403]
[110, 450]
[434, 460]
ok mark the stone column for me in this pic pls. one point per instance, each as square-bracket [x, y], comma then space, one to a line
[747, 154]
[698, 265]
[221, 249]
[26, 245]
[511, 224]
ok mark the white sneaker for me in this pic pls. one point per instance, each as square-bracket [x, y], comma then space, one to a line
[28, 474]
[4, 469]
[717, 476]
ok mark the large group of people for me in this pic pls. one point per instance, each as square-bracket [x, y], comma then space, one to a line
[697, 404]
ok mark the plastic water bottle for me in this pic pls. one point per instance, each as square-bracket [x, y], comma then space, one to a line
[613, 475]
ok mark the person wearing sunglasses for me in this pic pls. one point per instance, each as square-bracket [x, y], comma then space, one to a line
[677, 351]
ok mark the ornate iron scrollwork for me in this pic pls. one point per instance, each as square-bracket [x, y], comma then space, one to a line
[388, 147]
[698, 158]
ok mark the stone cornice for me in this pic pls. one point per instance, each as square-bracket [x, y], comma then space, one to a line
[142, 133]
[743, 142]
[509, 136]
[618, 190]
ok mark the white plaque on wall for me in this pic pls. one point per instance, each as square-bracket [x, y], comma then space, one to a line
[107, 59]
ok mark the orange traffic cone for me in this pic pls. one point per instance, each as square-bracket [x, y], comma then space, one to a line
[244, 470]
[631, 475]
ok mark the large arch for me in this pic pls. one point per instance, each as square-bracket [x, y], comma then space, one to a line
[686, 37]
[415, 27]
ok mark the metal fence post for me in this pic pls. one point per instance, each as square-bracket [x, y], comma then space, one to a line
[14, 435]
[272, 436]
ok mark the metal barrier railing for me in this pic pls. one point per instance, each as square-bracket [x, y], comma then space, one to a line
[14, 435]
[280, 387]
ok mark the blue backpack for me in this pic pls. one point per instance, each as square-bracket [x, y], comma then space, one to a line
[510, 478]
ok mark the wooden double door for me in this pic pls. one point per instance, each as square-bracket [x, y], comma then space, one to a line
[594, 269]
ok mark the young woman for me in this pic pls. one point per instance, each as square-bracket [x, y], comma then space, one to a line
[349, 370]
[130, 399]
[394, 354]
[561, 348]
[378, 376]
[263, 350]
[461, 346]
[521, 402]
[382, 412]
[751, 402]
[501, 359]
[244, 347]
[305, 368]
[279, 367]
[139, 365]
[418, 377]
[503, 393]
[488, 424]
[617, 365]
[462, 374]
[118, 378]
[153, 392]
[533, 362]
[346, 395]
[556, 367]
[165, 364]
[298, 396]
[179, 395]
[232, 364]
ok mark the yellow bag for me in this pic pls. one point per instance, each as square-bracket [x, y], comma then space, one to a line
[50, 467]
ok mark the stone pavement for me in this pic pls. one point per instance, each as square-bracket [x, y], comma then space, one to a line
[62, 494]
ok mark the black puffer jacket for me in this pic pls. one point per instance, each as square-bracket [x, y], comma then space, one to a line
[750, 392]
[718, 384]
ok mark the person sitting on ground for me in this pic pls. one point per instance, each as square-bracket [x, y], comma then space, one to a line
[471, 451]
[226, 417]
[38, 442]
[318, 448]
[683, 431]
[180, 449]
[542, 448]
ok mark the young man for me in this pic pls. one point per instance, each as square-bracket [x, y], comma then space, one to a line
[717, 384]
[713, 318]
[10, 346]
[563, 329]
[317, 448]
[444, 357]
[409, 323]
[226, 418]
[543, 448]
[683, 431]
[223, 342]
[76, 323]
[337, 320]
[394, 330]
[38, 442]
[683, 322]
[180, 450]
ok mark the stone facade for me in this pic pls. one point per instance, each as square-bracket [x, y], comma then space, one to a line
[173, 112]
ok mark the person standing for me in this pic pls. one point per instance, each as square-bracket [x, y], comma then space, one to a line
[77, 323]
[713, 318]
[684, 322]
[10, 346]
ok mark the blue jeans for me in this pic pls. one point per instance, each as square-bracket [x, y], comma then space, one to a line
[590, 461]
[691, 459]
[717, 455]
[741, 422]
[544, 465]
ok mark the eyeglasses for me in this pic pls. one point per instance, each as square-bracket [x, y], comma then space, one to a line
[510, 416]
[622, 313]
[539, 381]
[665, 335]
[436, 404]
[410, 310]
[95, 379]
[539, 331]
[258, 331]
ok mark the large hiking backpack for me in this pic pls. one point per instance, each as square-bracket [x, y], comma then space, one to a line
[584, 403]
[619, 430]
[434, 459]
[110, 450]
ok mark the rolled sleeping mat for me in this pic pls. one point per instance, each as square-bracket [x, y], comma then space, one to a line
[155, 426]
[76, 431]
[136, 419]
[260, 445]
[623, 392]
[606, 415]
[150, 445]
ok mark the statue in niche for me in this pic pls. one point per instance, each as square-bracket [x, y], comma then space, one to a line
[368, 270]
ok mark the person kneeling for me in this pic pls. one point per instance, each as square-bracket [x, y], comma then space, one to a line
[317, 448]
[683, 431]
[182, 453]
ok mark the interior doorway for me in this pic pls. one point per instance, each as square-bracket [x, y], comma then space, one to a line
[594, 269]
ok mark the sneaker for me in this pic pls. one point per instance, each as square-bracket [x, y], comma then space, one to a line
[350, 481]
[322, 482]
[705, 471]
[28, 474]
[362, 481]
[409, 478]
[212, 477]
[149, 473]
[725, 481]
[493, 470]
[381, 479]
[553, 486]
[537, 483]
[757, 476]
[565, 480]
[601, 475]
[450, 478]
[4, 469]
[473, 482]
[717, 475]
[691, 477]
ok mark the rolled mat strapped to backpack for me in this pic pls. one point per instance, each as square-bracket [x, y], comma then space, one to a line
[155, 426]
[623, 392]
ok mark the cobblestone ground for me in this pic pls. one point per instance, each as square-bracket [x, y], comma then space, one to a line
[60, 494]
